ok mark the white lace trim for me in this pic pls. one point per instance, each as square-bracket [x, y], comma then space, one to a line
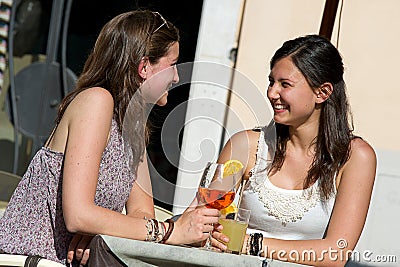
[285, 205]
[287, 208]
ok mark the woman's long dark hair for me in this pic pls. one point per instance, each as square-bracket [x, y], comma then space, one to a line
[114, 62]
[319, 61]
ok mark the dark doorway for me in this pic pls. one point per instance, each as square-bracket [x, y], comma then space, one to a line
[186, 16]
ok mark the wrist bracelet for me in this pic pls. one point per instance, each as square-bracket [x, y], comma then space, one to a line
[155, 232]
[150, 230]
[248, 244]
[259, 242]
[169, 231]
[254, 244]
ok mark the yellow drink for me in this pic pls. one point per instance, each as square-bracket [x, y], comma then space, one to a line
[236, 231]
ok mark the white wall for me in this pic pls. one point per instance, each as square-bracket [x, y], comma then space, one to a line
[369, 38]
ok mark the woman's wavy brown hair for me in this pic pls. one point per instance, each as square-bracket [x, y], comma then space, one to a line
[319, 61]
[114, 62]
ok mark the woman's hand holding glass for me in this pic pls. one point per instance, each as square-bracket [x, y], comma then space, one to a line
[194, 225]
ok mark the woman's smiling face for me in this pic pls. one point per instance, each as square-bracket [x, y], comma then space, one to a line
[292, 98]
[161, 76]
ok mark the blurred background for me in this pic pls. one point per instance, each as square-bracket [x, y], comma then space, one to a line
[239, 35]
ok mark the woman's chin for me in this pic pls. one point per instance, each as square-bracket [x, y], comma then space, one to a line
[163, 100]
[161, 104]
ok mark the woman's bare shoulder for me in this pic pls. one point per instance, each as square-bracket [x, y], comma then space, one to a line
[95, 100]
[362, 151]
[361, 163]
[246, 136]
[95, 95]
[90, 109]
[240, 144]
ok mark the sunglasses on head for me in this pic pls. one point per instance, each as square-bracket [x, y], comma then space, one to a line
[164, 21]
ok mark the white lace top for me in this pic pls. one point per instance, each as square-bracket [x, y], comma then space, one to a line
[282, 213]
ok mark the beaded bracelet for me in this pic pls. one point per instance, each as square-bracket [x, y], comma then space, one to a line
[248, 244]
[154, 222]
[150, 230]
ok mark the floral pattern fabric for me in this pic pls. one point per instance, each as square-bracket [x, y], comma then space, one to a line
[33, 223]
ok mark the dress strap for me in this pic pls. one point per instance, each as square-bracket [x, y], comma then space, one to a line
[257, 172]
[51, 136]
[265, 154]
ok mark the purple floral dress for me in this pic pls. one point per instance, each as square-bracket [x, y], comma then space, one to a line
[33, 223]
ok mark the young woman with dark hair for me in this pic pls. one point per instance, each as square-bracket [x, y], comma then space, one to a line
[309, 177]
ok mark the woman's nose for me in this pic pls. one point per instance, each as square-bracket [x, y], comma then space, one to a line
[176, 75]
[273, 92]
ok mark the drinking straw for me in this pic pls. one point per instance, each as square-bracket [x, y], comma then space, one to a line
[242, 184]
